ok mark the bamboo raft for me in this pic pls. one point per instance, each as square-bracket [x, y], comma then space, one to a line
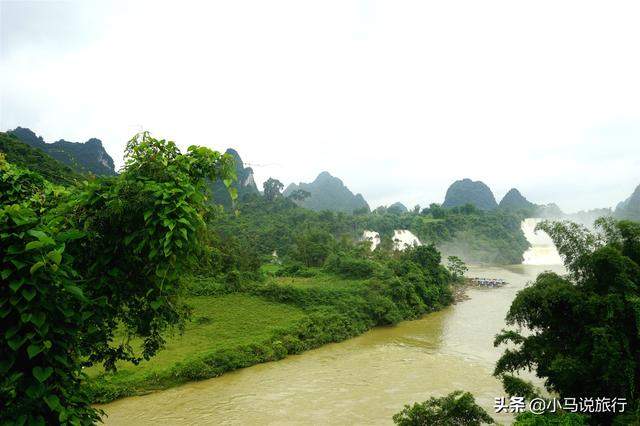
[488, 282]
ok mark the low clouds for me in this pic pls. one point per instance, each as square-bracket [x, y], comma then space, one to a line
[396, 99]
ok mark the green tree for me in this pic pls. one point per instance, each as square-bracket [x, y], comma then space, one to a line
[457, 267]
[583, 329]
[80, 262]
[272, 189]
[299, 195]
[457, 408]
[437, 212]
[312, 247]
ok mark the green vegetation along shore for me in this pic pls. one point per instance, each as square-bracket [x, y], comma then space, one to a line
[266, 321]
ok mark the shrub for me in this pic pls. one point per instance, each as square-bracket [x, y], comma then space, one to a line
[350, 267]
[457, 408]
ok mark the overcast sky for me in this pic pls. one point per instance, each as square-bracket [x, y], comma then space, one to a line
[396, 98]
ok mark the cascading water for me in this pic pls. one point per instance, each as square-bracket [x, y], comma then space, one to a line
[542, 250]
[402, 238]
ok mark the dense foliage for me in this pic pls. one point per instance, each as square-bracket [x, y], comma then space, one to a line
[468, 233]
[583, 329]
[336, 306]
[77, 263]
[457, 409]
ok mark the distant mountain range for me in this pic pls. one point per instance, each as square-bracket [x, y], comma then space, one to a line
[328, 193]
[89, 156]
[63, 162]
[477, 193]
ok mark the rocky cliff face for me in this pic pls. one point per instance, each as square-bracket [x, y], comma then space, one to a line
[466, 191]
[629, 208]
[245, 183]
[83, 157]
[514, 200]
[328, 193]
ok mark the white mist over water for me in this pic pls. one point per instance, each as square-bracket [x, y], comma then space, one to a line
[542, 250]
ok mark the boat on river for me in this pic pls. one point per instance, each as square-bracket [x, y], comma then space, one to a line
[488, 282]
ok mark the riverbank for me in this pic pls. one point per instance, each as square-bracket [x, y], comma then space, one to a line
[267, 321]
[363, 380]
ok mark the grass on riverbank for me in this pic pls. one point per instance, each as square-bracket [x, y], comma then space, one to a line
[235, 327]
[219, 324]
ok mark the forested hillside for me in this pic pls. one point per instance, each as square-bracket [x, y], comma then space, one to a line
[472, 234]
[87, 157]
[514, 200]
[327, 192]
[467, 191]
[21, 154]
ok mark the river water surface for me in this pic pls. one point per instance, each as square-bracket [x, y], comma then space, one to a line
[364, 380]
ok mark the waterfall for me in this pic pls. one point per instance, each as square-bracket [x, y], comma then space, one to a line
[542, 250]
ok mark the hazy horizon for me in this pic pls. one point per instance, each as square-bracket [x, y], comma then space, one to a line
[396, 100]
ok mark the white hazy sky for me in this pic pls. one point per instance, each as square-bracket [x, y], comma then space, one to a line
[397, 98]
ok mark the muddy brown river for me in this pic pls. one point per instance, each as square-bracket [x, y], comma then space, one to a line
[364, 380]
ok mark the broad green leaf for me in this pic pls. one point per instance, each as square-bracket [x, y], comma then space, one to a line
[11, 331]
[38, 319]
[16, 342]
[36, 266]
[34, 390]
[74, 234]
[42, 374]
[41, 236]
[55, 256]
[34, 245]
[33, 350]
[15, 285]
[37, 234]
[53, 402]
[76, 291]
[29, 294]
[18, 264]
